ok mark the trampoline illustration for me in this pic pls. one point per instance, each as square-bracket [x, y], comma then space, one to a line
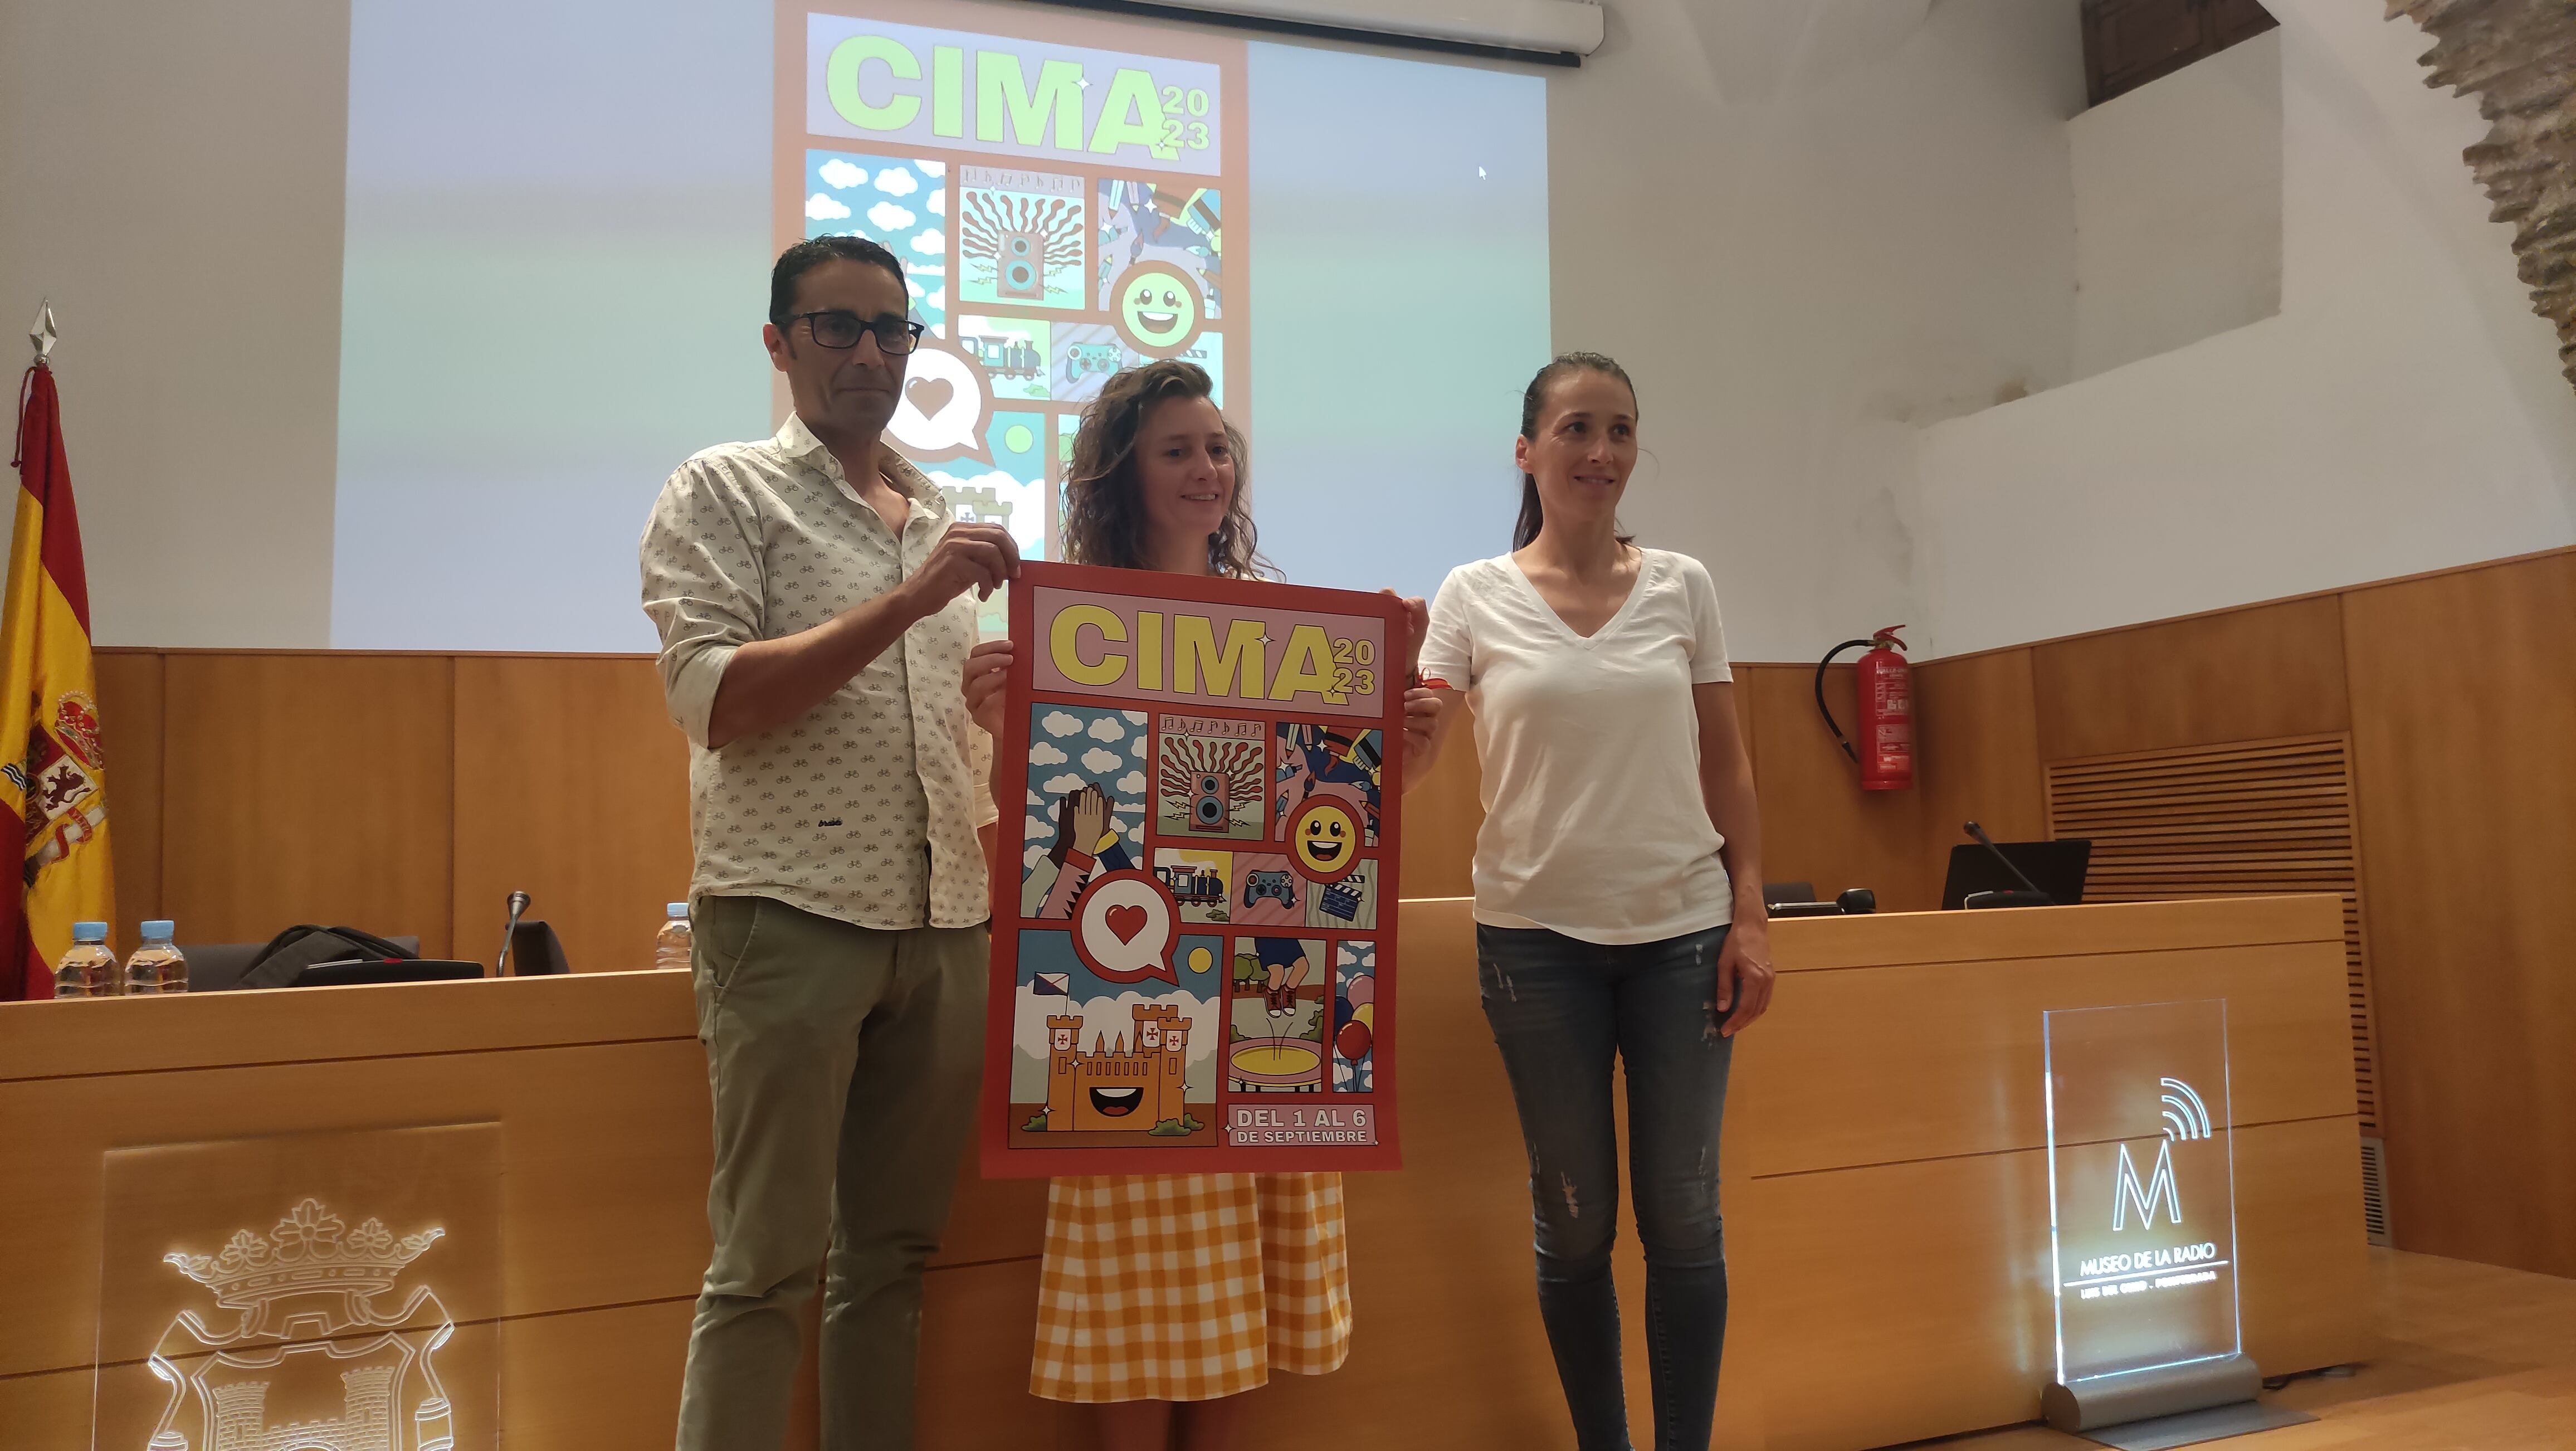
[1276, 1063]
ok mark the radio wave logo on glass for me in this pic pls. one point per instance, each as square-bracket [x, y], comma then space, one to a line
[2186, 1118]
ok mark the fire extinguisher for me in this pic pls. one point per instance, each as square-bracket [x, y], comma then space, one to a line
[1885, 691]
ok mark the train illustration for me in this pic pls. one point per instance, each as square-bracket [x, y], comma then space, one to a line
[1005, 356]
[1193, 886]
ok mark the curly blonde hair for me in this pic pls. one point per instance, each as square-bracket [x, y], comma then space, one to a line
[1104, 506]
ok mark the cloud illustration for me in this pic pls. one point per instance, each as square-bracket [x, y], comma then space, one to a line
[929, 241]
[936, 203]
[1109, 728]
[1133, 783]
[887, 217]
[1060, 723]
[841, 174]
[932, 168]
[1043, 754]
[823, 209]
[1058, 785]
[1099, 760]
[895, 181]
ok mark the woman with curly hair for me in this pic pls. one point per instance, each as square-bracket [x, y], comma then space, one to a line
[1165, 1297]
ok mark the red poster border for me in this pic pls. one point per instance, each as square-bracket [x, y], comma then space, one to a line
[999, 1160]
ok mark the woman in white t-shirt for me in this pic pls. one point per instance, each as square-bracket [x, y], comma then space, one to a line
[1618, 892]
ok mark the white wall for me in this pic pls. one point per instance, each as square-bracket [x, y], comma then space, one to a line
[2178, 208]
[171, 175]
[1808, 227]
[2403, 412]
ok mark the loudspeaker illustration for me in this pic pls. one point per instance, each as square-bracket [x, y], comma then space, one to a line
[1019, 271]
[1207, 802]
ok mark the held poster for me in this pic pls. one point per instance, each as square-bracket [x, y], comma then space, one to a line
[1194, 925]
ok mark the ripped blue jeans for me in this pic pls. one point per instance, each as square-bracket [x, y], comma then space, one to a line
[1560, 1008]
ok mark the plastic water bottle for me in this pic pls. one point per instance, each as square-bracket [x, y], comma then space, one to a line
[89, 969]
[156, 966]
[671, 944]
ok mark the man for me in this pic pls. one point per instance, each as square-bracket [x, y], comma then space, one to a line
[816, 604]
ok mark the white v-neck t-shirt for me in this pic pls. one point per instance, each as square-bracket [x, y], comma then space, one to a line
[1595, 824]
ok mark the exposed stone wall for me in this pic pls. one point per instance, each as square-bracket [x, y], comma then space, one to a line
[2519, 56]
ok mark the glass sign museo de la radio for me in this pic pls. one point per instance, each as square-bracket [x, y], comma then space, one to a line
[2142, 1203]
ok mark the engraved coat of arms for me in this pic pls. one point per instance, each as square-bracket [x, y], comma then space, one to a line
[312, 1348]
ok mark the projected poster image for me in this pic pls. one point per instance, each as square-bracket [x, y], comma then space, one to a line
[1176, 226]
[900, 203]
[1060, 207]
[561, 215]
[1019, 237]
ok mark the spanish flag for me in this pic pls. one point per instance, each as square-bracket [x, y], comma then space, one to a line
[54, 799]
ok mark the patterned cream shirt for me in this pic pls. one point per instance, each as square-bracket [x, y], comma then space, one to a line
[865, 809]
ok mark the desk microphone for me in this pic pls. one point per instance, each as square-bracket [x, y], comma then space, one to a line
[2032, 896]
[518, 904]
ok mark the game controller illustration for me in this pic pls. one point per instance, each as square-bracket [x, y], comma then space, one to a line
[1273, 885]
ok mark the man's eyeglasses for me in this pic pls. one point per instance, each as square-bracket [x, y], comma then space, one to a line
[837, 329]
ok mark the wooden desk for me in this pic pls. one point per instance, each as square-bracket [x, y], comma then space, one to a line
[1886, 1189]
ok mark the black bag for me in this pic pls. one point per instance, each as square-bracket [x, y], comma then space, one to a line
[299, 947]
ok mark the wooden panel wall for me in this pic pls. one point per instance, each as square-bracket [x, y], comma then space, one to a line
[2254, 674]
[1818, 826]
[1978, 720]
[307, 788]
[130, 727]
[2463, 706]
[407, 794]
[574, 788]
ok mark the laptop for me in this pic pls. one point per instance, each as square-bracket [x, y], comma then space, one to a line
[364, 970]
[2055, 867]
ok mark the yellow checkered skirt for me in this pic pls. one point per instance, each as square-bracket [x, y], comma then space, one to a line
[1187, 1287]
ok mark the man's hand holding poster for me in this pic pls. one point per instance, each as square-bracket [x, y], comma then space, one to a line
[1193, 939]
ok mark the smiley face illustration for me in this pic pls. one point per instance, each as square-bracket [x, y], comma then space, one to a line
[1157, 306]
[1325, 839]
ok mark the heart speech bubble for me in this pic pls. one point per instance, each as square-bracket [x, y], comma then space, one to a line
[1122, 928]
[941, 412]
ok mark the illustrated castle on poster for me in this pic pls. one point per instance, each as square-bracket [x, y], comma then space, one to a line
[1132, 1086]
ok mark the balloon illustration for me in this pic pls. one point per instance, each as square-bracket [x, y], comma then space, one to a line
[1353, 1041]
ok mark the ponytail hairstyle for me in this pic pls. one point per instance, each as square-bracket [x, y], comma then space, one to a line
[1533, 401]
[1104, 505]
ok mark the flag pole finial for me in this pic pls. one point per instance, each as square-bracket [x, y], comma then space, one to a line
[44, 332]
